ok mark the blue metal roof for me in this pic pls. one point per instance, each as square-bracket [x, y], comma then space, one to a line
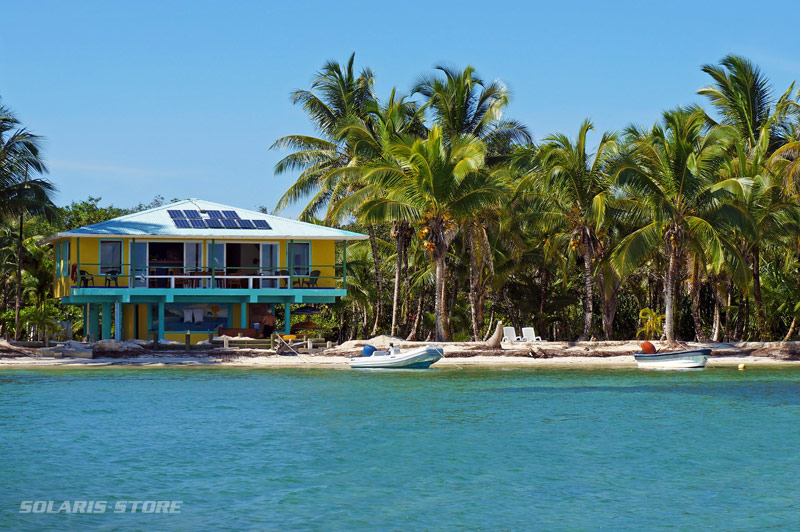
[159, 222]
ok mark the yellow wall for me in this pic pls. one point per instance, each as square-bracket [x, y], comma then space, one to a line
[322, 254]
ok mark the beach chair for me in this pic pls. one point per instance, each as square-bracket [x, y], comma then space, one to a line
[529, 335]
[510, 335]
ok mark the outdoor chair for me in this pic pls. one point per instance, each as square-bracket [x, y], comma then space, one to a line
[86, 278]
[529, 335]
[284, 273]
[311, 282]
[112, 276]
[510, 335]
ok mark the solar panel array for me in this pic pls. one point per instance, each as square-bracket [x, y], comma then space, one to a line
[192, 219]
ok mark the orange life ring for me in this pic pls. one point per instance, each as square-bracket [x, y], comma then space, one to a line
[74, 274]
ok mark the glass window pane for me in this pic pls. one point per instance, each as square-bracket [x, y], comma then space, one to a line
[218, 254]
[110, 256]
[193, 256]
[301, 258]
[65, 257]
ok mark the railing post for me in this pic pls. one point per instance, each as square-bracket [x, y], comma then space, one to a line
[291, 265]
[213, 285]
[78, 260]
[344, 265]
[132, 267]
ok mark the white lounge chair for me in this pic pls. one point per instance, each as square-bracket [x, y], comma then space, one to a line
[529, 335]
[510, 335]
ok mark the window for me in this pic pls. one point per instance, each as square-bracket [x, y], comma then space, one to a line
[110, 256]
[216, 256]
[194, 256]
[59, 268]
[65, 258]
[301, 257]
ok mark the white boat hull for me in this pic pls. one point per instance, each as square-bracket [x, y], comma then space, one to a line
[695, 358]
[419, 358]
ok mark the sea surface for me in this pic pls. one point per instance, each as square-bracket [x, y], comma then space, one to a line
[445, 449]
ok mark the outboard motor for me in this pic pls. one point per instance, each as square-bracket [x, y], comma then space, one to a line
[368, 350]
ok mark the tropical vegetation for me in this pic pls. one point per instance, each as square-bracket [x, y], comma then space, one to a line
[686, 228]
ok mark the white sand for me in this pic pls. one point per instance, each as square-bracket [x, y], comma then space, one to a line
[341, 362]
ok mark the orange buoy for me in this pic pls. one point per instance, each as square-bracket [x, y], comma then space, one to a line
[648, 348]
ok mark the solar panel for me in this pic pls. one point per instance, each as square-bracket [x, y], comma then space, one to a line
[214, 214]
[261, 224]
[197, 223]
[230, 224]
[183, 224]
[175, 214]
[230, 214]
[214, 223]
[246, 224]
[192, 214]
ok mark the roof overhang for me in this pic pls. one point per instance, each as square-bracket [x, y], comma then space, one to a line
[337, 238]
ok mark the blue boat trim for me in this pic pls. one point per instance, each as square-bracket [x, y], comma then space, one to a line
[690, 352]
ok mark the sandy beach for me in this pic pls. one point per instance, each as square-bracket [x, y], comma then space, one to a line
[575, 355]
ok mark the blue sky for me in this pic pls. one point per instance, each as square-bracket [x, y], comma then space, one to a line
[183, 99]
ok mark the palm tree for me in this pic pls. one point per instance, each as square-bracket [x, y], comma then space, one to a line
[436, 183]
[463, 104]
[671, 172]
[397, 120]
[743, 96]
[578, 186]
[768, 212]
[21, 194]
[329, 163]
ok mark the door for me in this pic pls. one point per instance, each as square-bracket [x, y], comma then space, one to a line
[138, 255]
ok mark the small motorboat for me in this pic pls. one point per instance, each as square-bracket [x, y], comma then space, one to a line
[691, 358]
[394, 358]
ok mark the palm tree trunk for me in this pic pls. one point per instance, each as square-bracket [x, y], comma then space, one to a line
[406, 288]
[694, 295]
[717, 312]
[545, 283]
[790, 332]
[587, 301]
[669, 295]
[474, 298]
[397, 272]
[378, 279]
[761, 319]
[413, 333]
[440, 304]
[18, 299]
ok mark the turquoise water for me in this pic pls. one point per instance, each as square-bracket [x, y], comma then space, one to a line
[441, 449]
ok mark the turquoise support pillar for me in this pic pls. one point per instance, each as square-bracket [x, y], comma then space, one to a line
[287, 317]
[243, 315]
[106, 321]
[86, 321]
[161, 320]
[94, 322]
[117, 321]
[229, 319]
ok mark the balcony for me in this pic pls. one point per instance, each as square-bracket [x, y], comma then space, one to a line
[96, 277]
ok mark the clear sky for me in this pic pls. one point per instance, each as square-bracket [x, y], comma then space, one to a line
[183, 99]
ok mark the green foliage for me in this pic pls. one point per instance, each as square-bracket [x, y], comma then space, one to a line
[652, 324]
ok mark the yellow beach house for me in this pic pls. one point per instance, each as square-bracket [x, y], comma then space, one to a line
[195, 266]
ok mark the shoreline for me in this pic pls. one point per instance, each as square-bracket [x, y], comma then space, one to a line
[341, 362]
[577, 355]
